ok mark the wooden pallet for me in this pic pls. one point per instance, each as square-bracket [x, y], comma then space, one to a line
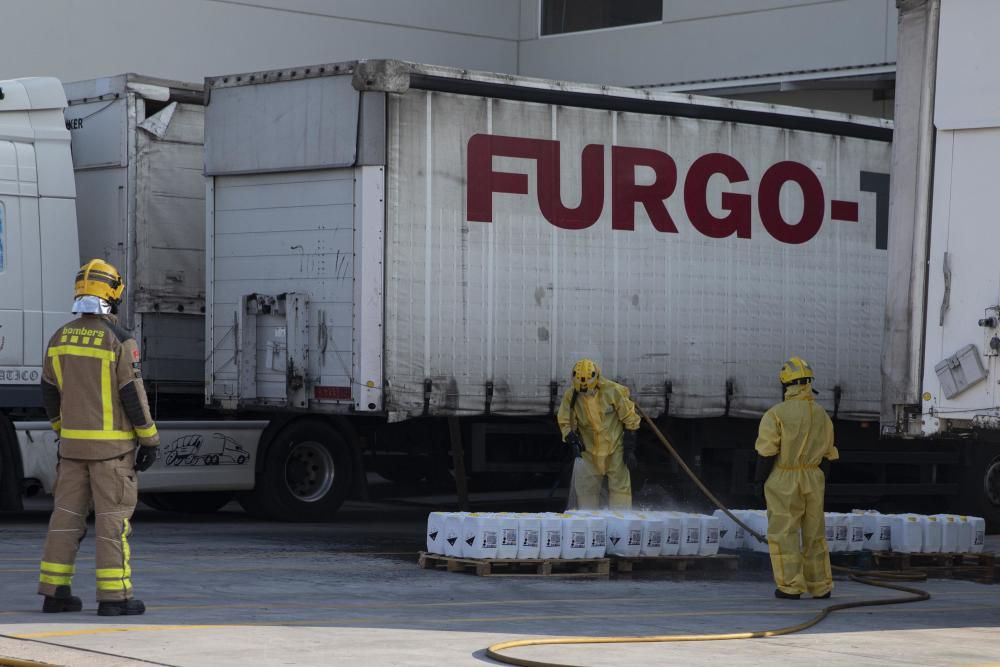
[981, 567]
[725, 563]
[598, 568]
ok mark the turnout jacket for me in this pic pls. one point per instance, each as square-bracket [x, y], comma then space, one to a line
[92, 390]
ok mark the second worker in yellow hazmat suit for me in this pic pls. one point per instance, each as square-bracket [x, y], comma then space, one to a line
[794, 442]
[599, 421]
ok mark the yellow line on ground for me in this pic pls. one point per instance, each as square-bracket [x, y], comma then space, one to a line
[108, 631]
[376, 621]
[6, 661]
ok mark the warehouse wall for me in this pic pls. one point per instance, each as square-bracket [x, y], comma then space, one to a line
[190, 39]
[709, 39]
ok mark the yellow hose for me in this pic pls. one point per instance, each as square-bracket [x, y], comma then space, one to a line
[879, 579]
[915, 595]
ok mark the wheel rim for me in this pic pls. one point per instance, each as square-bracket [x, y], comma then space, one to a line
[309, 471]
[991, 482]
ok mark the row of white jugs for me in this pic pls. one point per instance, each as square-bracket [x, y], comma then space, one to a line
[576, 534]
[872, 531]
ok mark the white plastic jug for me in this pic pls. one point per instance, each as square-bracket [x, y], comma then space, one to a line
[731, 534]
[831, 532]
[878, 531]
[453, 533]
[964, 534]
[597, 536]
[978, 533]
[507, 543]
[690, 535]
[672, 525]
[949, 532]
[574, 536]
[907, 533]
[855, 532]
[709, 536]
[757, 520]
[480, 535]
[435, 532]
[529, 528]
[624, 534]
[932, 535]
[840, 532]
[551, 538]
[652, 533]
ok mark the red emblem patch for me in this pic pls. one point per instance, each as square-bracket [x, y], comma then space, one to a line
[135, 354]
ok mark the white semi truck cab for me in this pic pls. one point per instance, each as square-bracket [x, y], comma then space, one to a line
[38, 236]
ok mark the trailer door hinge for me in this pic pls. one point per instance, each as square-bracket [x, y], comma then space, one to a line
[489, 396]
[428, 385]
[946, 299]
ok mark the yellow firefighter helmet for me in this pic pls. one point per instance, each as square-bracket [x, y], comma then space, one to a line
[100, 279]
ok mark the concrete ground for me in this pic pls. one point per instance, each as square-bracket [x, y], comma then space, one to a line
[228, 590]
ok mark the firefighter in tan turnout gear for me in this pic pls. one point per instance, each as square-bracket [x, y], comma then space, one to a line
[93, 395]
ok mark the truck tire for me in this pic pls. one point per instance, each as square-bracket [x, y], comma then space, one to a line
[981, 484]
[192, 502]
[306, 475]
[10, 481]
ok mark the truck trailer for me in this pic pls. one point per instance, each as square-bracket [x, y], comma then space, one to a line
[403, 257]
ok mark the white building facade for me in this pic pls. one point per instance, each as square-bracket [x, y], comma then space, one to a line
[835, 54]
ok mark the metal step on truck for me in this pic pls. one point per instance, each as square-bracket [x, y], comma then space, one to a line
[403, 261]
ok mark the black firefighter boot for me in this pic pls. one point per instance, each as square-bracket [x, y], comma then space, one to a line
[121, 608]
[63, 600]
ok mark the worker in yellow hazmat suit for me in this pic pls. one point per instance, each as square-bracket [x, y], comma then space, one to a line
[794, 446]
[598, 420]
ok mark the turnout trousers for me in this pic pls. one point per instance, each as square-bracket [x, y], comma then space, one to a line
[110, 488]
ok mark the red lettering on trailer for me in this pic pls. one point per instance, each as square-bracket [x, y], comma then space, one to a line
[483, 182]
[479, 196]
[696, 187]
[813, 202]
[625, 194]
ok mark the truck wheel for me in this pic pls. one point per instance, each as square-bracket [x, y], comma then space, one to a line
[306, 476]
[193, 502]
[981, 484]
[10, 484]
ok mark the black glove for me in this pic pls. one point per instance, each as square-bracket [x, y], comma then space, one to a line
[575, 444]
[144, 458]
[765, 464]
[824, 465]
[630, 441]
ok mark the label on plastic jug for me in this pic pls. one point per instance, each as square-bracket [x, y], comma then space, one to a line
[510, 537]
[634, 538]
[693, 536]
[673, 535]
[489, 539]
[980, 536]
[829, 532]
[578, 540]
[553, 538]
[530, 538]
[885, 533]
[597, 539]
[857, 534]
[654, 539]
[840, 533]
[713, 536]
